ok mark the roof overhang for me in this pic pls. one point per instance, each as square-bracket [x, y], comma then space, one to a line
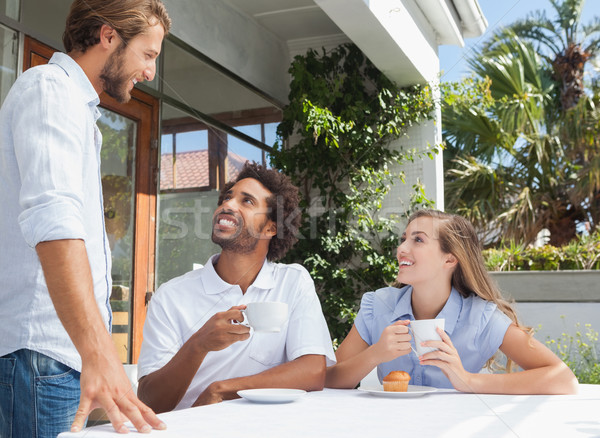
[401, 37]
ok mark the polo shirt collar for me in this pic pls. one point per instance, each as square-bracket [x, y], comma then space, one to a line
[76, 73]
[450, 312]
[213, 284]
[266, 277]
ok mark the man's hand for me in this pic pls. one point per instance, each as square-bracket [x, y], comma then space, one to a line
[164, 388]
[104, 384]
[219, 333]
[103, 380]
[210, 395]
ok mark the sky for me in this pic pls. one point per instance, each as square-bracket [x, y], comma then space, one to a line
[499, 13]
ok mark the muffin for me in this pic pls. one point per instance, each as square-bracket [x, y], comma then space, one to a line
[396, 381]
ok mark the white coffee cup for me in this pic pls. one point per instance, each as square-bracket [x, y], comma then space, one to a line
[425, 330]
[265, 316]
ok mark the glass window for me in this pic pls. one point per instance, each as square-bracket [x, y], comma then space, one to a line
[10, 8]
[198, 85]
[184, 232]
[8, 60]
[119, 139]
[184, 160]
[238, 152]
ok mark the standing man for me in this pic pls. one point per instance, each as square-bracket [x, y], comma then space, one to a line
[57, 359]
[193, 353]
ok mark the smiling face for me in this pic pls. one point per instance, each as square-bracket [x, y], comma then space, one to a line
[419, 255]
[241, 221]
[131, 63]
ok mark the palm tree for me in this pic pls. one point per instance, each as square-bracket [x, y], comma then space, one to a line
[522, 135]
[564, 42]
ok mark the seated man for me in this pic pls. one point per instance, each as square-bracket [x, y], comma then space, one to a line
[194, 353]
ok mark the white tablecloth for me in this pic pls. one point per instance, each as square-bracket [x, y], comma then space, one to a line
[352, 413]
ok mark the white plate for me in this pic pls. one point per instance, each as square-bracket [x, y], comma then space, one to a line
[271, 395]
[413, 391]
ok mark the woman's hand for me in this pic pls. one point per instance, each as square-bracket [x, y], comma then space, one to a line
[393, 342]
[447, 359]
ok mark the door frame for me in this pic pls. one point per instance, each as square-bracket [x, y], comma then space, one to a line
[144, 109]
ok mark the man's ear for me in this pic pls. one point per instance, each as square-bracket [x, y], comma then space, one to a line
[109, 39]
[271, 229]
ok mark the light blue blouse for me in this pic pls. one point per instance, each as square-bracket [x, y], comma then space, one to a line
[475, 326]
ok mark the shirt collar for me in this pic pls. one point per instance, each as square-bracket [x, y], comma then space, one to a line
[76, 73]
[450, 312]
[213, 284]
[403, 308]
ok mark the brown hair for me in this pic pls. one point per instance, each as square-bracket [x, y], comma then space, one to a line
[282, 204]
[470, 277]
[129, 18]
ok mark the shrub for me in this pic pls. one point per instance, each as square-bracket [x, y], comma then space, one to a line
[579, 353]
[581, 253]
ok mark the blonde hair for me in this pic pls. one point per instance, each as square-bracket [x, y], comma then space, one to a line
[129, 18]
[457, 236]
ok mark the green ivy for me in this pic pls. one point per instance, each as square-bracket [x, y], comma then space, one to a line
[334, 142]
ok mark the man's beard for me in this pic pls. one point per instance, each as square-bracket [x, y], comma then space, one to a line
[114, 79]
[242, 242]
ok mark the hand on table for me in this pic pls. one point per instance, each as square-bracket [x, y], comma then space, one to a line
[209, 396]
[447, 359]
[393, 342]
[219, 333]
[104, 384]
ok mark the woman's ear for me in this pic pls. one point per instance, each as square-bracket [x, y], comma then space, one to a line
[451, 260]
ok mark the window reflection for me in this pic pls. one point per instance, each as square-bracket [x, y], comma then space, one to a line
[10, 8]
[8, 60]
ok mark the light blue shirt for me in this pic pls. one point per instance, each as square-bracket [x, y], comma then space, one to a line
[475, 326]
[50, 190]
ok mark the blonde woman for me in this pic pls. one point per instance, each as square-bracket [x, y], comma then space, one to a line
[442, 275]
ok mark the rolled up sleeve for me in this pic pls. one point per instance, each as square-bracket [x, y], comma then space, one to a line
[49, 147]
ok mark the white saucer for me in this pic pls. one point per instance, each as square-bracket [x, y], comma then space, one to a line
[412, 391]
[271, 395]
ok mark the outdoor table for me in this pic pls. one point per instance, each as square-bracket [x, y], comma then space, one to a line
[354, 413]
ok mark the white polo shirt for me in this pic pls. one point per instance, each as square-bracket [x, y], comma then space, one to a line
[183, 305]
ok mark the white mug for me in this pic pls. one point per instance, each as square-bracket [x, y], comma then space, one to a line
[265, 316]
[424, 330]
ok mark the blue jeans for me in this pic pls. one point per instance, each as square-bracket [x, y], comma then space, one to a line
[38, 395]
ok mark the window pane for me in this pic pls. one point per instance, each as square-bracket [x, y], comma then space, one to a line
[119, 136]
[184, 151]
[196, 84]
[238, 152]
[8, 60]
[184, 232]
[10, 8]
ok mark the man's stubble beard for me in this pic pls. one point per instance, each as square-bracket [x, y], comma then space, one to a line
[114, 79]
[242, 242]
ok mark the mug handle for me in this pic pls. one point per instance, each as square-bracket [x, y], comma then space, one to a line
[245, 321]
[412, 332]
